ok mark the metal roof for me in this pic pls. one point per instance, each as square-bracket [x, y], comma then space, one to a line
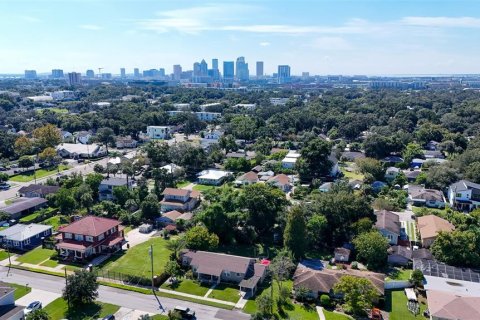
[20, 232]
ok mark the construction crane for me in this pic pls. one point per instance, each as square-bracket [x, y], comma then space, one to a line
[100, 72]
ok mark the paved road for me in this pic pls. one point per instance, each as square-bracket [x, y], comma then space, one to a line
[127, 299]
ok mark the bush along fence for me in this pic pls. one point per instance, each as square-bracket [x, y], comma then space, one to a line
[42, 214]
[130, 279]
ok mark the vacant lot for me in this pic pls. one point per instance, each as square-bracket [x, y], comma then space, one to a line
[40, 173]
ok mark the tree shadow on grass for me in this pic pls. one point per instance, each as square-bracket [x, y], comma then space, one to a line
[84, 311]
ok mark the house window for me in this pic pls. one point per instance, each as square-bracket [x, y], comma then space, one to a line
[459, 195]
[46, 233]
[67, 235]
[238, 274]
[101, 237]
[227, 273]
[16, 243]
[89, 238]
[390, 237]
[79, 237]
[27, 241]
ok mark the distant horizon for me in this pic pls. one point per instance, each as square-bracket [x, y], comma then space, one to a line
[320, 37]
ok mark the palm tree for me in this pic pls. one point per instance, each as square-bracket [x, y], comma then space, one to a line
[111, 169]
[175, 245]
[127, 169]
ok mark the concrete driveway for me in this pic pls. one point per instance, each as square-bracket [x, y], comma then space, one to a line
[130, 314]
[135, 237]
[45, 297]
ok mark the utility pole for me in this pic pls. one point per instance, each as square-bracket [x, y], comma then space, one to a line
[150, 252]
[68, 295]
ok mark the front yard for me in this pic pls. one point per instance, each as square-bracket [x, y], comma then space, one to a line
[36, 256]
[225, 292]
[202, 187]
[20, 290]
[58, 309]
[187, 286]
[329, 315]
[136, 260]
[396, 304]
[40, 173]
[291, 311]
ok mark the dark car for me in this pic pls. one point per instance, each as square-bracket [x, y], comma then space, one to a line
[109, 317]
[5, 186]
[80, 160]
[185, 312]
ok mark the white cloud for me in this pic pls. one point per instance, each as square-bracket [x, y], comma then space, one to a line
[442, 22]
[331, 43]
[264, 44]
[92, 27]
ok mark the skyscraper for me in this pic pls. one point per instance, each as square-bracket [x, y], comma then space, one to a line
[196, 69]
[203, 68]
[90, 74]
[57, 73]
[228, 70]
[74, 78]
[215, 64]
[177, 72]
[122, 73]
[215, 74]
[136, 73]
[30, 74]
[259, 69]
[283, 73]
[161, 72]
[242, 72]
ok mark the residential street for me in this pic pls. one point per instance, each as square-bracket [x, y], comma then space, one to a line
[123, 298]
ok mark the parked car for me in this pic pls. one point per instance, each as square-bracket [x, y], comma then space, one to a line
[5, 186]
[35, 305]
[80, 160]
[3, 169]
[185, 312]
[109, 317]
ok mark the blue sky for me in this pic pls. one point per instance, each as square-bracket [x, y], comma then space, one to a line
[319, 36]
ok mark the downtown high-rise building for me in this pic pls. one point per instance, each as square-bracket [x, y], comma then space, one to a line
[122, 73]
[136, 73]
[57, 74]
[90, 74]
[203, 68]
[215, 64]
[177, 72]
[74, 78]
[242, 72]
[215, 73]
[283, 73]
[259, 69]
[30, 74]
[228, 71]
[161, 72]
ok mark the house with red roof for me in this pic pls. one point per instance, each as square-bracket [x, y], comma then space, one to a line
[89, 236]
[179, 199]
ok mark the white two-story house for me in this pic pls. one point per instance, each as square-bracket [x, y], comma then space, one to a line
[464, 195]
[179, 199]
[159, 132]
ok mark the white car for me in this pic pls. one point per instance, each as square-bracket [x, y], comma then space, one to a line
[35, 305]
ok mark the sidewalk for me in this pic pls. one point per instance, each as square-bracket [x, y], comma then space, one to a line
[43, 296]
[321, 315]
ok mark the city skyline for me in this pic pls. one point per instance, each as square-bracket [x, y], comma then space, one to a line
[324, 37]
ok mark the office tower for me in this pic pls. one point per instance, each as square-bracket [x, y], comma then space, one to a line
[259, 68]
[215, 64]
[106, 76]
[136, 73]
[74, 78]
[57, 73]
[203, 68]
[177, 72]
[122, 73]
[30, 74]
[305, 75]
[161, 72]
[228, 70]
[196, 69]
[90, 74]
[242, 72]
[283, 73]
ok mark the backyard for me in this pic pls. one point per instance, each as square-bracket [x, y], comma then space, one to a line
[396, 304]
[290, 311]
[40, 173]
[350, 171]
[56, 221]
[136, 260]
[202, 187]
[58, 309]
[329, 315]
[399, 274]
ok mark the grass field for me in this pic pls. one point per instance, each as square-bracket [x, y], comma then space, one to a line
[226, 293]
[50, 263]
[440, 212]
[136, 261]
[58, 310]
[182, 184]
[30, 217]
[291, 311]
[20, 290]
[36, 256]
[40, 173]
[399, 274]
[3, 255]
[329, 315]
[202, 187]
[56, 221]
[187, 286]
[257, 250]
[396, 304]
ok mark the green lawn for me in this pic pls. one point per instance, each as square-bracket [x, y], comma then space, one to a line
[226, 293]
[399, 274]
[20, 290]
[40, 173]
[202, 187]
[56, 221]
[36, 256]
[440, 212]
[257, 250]
[56, 110]
[329, 315]
[3, 255]
[292, 311]
[50, 263]
[30, 217]
[187, 286]
[58, 310]
[396, 304]
[182, 184]
[159, 317]
[136, 261]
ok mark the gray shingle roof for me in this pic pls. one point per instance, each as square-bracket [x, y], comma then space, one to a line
[388, 220]
[464, 185]
[24, 204]
[116, 182]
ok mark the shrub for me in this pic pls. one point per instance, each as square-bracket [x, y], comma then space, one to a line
[325, 300]
[354, 265]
